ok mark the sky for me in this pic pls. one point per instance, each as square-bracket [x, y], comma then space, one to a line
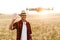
[15, 6]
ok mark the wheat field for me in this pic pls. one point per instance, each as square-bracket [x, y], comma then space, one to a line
[44, 27]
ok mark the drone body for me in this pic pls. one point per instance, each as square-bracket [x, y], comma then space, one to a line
[38, 9]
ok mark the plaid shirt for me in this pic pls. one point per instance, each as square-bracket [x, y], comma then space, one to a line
[18, 25]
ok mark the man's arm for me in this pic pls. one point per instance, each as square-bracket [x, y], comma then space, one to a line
[30, 33]
[30, 29]
[11, 25]
[13, 20]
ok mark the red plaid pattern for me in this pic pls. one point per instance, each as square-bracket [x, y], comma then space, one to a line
[18, 26]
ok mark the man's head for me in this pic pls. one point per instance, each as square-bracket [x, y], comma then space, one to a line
[23, 16]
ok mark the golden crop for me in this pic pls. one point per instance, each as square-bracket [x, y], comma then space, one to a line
[43, 28]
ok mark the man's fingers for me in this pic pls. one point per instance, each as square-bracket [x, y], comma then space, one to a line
[14, 16]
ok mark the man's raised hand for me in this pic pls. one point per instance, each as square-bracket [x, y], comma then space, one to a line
[14, 16]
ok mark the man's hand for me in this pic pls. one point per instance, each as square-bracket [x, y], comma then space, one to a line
[14, 16]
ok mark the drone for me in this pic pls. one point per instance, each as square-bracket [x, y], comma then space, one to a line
[39, 9]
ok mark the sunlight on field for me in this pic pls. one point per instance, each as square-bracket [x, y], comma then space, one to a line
[45, 27]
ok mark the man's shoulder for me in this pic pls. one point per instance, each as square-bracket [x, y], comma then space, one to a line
[27, 22]
[21, 21]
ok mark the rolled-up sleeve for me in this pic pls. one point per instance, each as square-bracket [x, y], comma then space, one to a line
[15, 26]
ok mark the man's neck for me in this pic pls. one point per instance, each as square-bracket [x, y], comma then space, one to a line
[23, 20]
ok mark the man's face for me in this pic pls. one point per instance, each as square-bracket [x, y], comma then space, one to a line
[23, 17]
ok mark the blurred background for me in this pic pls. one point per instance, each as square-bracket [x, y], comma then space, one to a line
[43, 15]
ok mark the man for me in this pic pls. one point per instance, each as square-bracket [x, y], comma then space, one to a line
[23, 28]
